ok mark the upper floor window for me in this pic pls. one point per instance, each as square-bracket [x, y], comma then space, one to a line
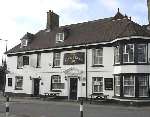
[117, 55]
[128, 53]
[22, 60]
[141, 53]
[19, 82]
[56, 82]
[97, 84]
[98, 56]
[56, 59]
[38, 60]
[59, 37]
[24, 42]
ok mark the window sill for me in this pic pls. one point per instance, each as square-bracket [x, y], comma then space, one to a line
[56, 90]
[19, 67]
[131, 64]
[38, 66]
[18, 89]
[97, 66]
[56, 67]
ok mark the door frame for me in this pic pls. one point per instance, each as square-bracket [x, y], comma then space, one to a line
[71, 77]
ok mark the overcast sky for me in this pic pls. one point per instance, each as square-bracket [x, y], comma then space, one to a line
[20, 16]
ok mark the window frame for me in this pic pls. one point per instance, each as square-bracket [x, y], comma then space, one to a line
[124, 85]
[139, 54]
[9, 83]
[59, 37]
[98, 83]
[56, 59]
[117, 55]
[147, 83]
[125, 52]
[59, 82]
[24, 42]
[28, 61]
[98, 57]
[38, 65]
[16, 83]
[117, 85]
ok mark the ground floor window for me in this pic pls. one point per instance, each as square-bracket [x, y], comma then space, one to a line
[143, 86]
[117, 85]
[9, 82]
[97, 84]
[56, 82]
[132, 85]
[19, 82]
[129, 84]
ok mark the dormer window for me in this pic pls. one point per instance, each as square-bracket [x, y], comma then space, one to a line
[24, 42]
[59, 37]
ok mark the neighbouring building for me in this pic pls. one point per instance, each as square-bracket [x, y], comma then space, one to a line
[109, 56]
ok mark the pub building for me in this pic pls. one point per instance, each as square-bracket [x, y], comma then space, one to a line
[109, 56]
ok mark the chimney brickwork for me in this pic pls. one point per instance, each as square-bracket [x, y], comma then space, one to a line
[52, 20]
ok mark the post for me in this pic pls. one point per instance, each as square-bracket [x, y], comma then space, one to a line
[7, 106]
[81, 108]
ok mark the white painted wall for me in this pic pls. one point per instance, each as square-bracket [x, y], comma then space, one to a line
[46, 71]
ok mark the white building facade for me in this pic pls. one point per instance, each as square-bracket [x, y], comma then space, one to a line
[106, 56]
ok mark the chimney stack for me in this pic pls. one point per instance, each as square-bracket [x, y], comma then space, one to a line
[148, 5]
[52, 20]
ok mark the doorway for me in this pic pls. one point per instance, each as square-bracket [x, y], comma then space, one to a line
[36, 87]
[73, 88]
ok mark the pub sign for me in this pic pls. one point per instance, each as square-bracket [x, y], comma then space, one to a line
[74, 58]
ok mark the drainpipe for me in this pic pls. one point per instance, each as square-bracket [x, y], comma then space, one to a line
[86, 71]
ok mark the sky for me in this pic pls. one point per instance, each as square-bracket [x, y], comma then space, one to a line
[20, 16]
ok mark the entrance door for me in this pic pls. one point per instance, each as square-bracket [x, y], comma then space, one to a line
[73, 88]
[36, 87]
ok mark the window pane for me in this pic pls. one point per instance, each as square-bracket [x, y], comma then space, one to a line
[19, 82]
[97, 84]
[128, 53]
[97, 56]
[56, 59]
[142, 54]
[25, 60]
[117, 55]
[39, 60]
[129, 86]
[143, 85]
[117, 85]
[9, 81]
[20, 62]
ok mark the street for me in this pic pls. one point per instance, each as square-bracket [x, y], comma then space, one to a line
[38, 108]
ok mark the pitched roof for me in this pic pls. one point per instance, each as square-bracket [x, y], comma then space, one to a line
[102, 30]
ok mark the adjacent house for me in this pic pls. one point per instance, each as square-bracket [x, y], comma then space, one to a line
[109, 56]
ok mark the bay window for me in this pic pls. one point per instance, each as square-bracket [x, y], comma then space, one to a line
[129, 85]
[117, 85]
[143, 86]
[128, 53]
[117, 55]
[97, 84]
[141, 53]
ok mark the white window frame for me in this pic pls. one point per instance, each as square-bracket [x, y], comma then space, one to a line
[16, 85]
[56, 58]
[124, 85]
[97, 57]
[146, 84]
[24, 42]
[98, 83]
[117, 54]
[59, 37]
[117, 84]
[56, 79]
[125, 52]
[145, 53]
